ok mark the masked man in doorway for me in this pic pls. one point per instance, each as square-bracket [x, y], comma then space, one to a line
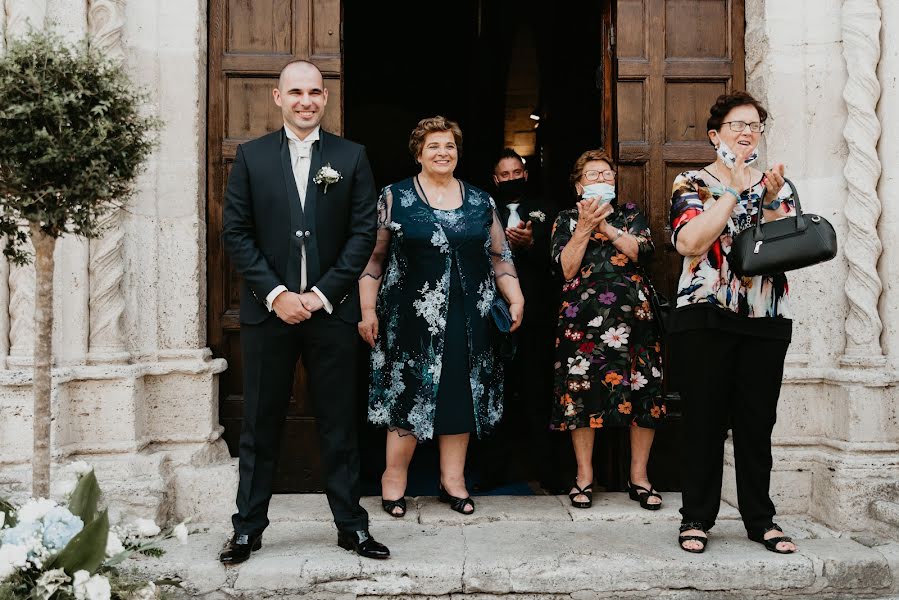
[523, 441]
[300, 222]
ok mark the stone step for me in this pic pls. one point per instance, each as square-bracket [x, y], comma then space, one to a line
[529, 547]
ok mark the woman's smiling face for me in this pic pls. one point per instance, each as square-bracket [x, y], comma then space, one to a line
[740, 142]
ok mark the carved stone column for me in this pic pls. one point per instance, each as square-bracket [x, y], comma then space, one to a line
[106, 20]
[861, 49]
[22, 15]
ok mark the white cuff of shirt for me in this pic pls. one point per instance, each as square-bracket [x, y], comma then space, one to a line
[324, 300]
[272, 295]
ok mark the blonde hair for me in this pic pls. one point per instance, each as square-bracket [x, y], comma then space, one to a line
[433, 125]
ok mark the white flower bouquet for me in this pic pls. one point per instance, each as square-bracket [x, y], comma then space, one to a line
[53, 552]
[537, 215]
[327, 175]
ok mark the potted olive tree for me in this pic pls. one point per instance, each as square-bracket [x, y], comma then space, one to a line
[74, 140]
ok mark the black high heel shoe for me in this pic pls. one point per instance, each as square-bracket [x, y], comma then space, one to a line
[457, 504]
[587, 491]
[702, 539]
[642, 495]
[390, 505]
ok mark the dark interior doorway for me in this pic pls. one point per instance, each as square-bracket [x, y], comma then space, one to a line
[490, 65]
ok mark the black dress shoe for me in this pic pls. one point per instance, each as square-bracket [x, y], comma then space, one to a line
[362, 543]
[239, 547]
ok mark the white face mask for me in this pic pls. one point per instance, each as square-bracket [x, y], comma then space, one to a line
[603, 191]
[730, 159]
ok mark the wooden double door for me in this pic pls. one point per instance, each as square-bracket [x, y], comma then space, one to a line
[659, 65]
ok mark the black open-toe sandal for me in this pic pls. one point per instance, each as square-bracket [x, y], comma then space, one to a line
[586, 491]
[704, 540]
[457, 504]
[390, 505]
[642, 495]
[771, 543]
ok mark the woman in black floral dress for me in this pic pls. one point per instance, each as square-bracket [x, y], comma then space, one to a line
[608, 369]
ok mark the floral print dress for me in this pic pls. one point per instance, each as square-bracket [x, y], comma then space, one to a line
[608, 369]
[434, 369]
[706, 279]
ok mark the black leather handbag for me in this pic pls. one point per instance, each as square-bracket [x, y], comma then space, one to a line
[661, 307]
[782, 245]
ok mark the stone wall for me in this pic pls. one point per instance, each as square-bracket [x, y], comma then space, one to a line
[135, 389]
[817, 66]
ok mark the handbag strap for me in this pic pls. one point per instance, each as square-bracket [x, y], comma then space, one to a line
[758, 234]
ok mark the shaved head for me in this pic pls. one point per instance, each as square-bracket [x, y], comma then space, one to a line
[296, 66]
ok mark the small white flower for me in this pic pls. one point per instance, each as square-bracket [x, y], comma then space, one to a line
[537, 215]
[91, 588]
[12, 558]
[2, 519]
[146, 527]
[656, 373]
[638, 380]
[180, 532]
[327, 175]
[49, 583]
[615, 338]
[578, 366]
[81, 468]
[34, 510]
[113, 545]
[595, 321]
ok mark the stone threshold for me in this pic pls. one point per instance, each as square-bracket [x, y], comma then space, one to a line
[529, 547]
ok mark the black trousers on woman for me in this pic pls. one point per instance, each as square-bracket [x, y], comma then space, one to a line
[727, 381]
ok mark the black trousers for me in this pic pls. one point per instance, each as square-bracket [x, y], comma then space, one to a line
[270, 352]
[727, 381]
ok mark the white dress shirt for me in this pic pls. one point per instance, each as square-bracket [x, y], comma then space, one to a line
[300, 159]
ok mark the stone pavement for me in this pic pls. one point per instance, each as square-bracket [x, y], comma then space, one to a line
[529, 547]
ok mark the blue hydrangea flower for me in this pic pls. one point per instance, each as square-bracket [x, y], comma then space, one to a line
[60, 526]
[23, 534]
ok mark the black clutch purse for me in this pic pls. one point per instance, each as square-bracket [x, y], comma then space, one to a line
[658, 302]
[502, 321]
[782, 245]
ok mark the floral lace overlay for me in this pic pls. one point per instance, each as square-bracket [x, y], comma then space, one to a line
[418, 250]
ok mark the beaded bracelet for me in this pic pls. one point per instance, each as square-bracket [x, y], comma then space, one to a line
[732, 191]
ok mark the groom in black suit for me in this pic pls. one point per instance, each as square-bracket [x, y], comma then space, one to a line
[300, 223]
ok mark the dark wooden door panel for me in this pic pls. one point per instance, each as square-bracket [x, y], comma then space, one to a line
[674, 57]
[249, 42]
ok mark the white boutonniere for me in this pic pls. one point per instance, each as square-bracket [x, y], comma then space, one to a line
[327, 175]
[538, 215]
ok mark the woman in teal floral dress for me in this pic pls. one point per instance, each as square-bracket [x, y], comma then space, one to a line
[608, 370]
[440, 259]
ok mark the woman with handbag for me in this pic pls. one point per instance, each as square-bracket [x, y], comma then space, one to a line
[728, 335]
[608, 369]
[427, 299]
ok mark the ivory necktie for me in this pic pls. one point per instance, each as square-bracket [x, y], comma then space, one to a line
[514, 218]
[301, 167]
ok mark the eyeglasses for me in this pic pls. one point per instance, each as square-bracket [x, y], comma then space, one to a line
[740, 126]
[608, 175]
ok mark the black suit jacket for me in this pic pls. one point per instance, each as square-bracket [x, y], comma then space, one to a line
[266, 228]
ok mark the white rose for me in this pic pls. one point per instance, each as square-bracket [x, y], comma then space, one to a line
[78, 584]
[145, 593]
[146, 528]
[180, 532]
[113, 545]
[34, 510]
[12, 558]
[2, 519]
[81, 468]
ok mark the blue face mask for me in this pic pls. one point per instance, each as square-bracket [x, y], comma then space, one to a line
[730, 158]
[602, 191]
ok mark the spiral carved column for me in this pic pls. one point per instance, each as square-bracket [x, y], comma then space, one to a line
[24, 15]
[106, 20]
[861, 50]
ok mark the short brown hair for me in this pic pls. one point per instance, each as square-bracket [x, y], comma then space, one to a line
[727, 102]
[433, 125]
[583, 159]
